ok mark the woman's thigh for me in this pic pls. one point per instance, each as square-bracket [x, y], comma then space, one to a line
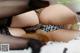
[15, 43]
[57, 35]
[12, 7]
[63, 35]
[39, 34]
[25, 19]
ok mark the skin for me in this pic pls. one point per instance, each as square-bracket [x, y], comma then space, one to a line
[63, 35]
[20, 43]
[53, 17]
[10, 8]
[52, 35]
[15, 7]
[57, 14]
[25, 19]
[39, 34]
[57, 35]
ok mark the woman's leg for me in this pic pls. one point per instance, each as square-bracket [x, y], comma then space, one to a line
[20, 44]
[17, 32]
[57, 35]
[20, 7]
[8, 8]
[15, 43]
[14, 7]
[28, 18]
[25, 20]
[63, 35]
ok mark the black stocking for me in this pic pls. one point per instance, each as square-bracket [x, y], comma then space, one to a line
[15, 43]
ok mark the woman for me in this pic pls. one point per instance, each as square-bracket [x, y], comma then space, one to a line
[13, 7]
[9, 8]
[45, 17]
[20, 43]
[58, 17]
